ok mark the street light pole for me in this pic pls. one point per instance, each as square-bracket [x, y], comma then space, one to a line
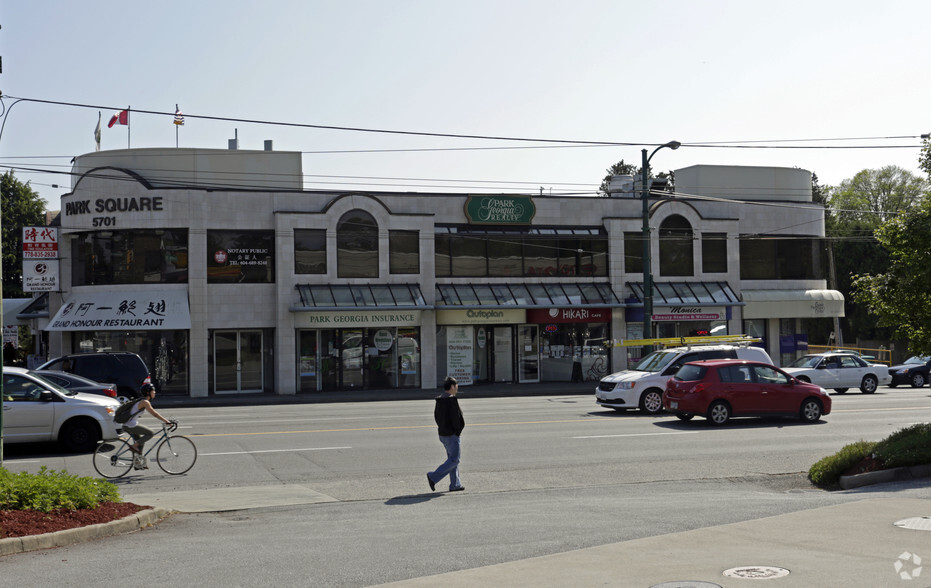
[647, 262]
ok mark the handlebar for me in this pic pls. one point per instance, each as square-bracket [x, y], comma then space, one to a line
[171, 426]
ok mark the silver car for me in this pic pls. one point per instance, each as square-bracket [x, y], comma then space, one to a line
[840, 372]
[35, 409]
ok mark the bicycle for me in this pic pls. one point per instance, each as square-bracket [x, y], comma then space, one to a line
[175, 454]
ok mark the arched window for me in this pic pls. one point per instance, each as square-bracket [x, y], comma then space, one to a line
[357, 245]
[675, 247]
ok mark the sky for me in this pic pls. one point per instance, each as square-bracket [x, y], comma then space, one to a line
[833, 87]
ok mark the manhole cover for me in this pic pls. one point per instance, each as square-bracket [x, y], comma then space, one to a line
[915, 523]
[686, 584]
[756, 572]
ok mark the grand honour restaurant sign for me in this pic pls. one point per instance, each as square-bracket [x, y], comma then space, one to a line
[499, 210]
[40, 259]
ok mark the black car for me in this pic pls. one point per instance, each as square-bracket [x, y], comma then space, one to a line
[76, 383]
[913, 372]
[123, 368]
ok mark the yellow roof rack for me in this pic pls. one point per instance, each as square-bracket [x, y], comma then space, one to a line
[683, 341]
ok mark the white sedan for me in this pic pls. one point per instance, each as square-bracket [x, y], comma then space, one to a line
[840, 371]
[35, 409]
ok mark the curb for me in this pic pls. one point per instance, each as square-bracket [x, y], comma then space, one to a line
[882, 476]
[134, 522]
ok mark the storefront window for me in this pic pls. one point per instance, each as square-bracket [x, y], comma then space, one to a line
[143, 256]
[235, 257]
[781, 259]
[404, 252]
[541, 257]
[468, 257]
[165, 353]
[714, 253]
[633, 253]
[357, 245]
[573, 352]
[504, 257]
[675, 247]
[309, 251]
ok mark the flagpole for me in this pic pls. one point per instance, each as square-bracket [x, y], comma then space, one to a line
[129, 122]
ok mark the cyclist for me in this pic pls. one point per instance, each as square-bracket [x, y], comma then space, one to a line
[141, 433]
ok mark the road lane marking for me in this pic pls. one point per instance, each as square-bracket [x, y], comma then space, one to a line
[271, 451]
[636, 435]
[388, 428]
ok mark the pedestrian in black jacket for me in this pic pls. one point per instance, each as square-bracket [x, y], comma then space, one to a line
[449, 423]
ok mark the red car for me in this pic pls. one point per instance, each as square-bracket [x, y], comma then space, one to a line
[723, 388]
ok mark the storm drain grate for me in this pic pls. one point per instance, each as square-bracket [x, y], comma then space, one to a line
[915, 523]
[756, 572]
[686, 584]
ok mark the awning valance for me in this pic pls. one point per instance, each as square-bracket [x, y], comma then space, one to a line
[11, 308]
[578, 295]
[688, 293]
[317, 297]
[792, 304]
[153, 310]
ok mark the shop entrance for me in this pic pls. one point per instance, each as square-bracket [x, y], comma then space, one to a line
[368, 358]
[237, 361]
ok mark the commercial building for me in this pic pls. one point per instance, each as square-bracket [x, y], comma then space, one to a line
[227, 277]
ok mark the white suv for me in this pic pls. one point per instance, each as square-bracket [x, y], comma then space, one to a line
[35, 409]
[642, 386]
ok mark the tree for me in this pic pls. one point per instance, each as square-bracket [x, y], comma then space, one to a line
[873, 196]
[22, 207]
[901, 296]
[924, 160]
[628, 169]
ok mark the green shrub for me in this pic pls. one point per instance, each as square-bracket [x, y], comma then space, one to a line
[906, 447]
[49, 490]
[828, 471]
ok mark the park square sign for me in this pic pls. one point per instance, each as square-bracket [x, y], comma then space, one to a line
[499, 210]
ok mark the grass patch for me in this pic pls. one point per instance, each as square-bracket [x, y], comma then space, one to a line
[827, 471]
[49, 490]
[910, 446]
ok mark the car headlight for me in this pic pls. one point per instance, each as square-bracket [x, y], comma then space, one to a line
[626, 385]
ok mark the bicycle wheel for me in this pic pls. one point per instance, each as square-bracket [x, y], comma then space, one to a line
[176, 454]
[113, 458]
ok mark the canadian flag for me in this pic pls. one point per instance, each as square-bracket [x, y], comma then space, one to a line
[120, 118]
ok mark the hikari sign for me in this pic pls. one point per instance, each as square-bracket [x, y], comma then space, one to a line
[40, 243]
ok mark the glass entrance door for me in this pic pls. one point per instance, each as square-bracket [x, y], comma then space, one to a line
[528, 353]
[237, 361]
[503, 355]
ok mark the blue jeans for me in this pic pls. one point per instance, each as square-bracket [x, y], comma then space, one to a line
[453, 447]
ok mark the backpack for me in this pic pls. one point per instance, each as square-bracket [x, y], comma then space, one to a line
[124, 412]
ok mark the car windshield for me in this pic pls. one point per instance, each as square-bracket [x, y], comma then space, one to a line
[656, 361]
[917, 359]
[806, 361]
[53, 385]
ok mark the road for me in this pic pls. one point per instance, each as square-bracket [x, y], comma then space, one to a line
[542, 474]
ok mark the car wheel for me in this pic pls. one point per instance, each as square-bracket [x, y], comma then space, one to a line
[918, 380]
[719, 413]
[79, 435]
[684, 417]
[810, 411]
[868, 386]
[651, 402]
[841, 390]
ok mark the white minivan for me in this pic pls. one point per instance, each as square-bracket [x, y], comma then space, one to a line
[642, 386]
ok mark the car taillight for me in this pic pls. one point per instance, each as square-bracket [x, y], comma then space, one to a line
[110, 392]
[698, 389]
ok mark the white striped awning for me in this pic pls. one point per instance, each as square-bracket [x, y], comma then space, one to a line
[772, 304]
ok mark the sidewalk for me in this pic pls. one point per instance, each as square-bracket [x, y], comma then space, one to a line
[854, 544]
[478, 391]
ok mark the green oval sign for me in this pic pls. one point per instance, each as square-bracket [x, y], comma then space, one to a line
[500, 210]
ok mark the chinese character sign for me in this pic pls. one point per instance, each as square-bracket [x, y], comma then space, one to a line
[40, 243]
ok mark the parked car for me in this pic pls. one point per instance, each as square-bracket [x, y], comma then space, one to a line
[77, 383]
[840, 372]
[913, 372]
[123, 368]
[721, 389]
[642, 385]
[35, 409]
